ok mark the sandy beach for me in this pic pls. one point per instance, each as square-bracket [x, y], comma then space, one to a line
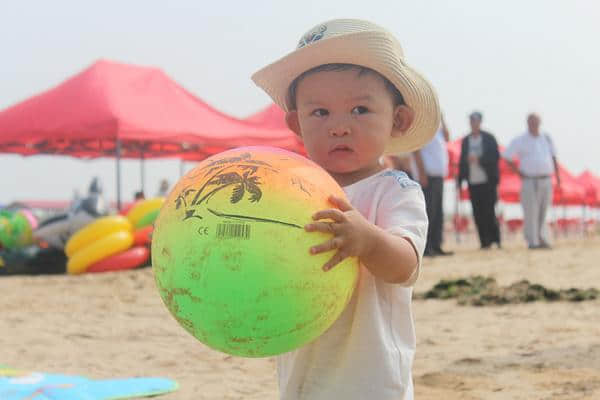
[115, 325]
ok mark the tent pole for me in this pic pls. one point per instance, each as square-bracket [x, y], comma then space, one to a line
[456, 218]
[583, 217]
[142, 173]
[564, 209]
[118, 158]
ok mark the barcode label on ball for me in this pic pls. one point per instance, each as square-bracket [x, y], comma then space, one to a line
[238, 231]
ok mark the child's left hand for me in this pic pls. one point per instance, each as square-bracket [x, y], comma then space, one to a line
[352, 233]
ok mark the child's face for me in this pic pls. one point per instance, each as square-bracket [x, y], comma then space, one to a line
[345, 120]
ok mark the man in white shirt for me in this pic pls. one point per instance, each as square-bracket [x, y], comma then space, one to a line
[432, 166]
[537, 162]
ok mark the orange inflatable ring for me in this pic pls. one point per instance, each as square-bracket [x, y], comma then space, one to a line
[128, 259]
[143, 236]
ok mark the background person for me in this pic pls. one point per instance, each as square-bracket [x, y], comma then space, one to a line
[432, 165]
[537, 162]
[163, 188]
[56, 231]
[478, 165]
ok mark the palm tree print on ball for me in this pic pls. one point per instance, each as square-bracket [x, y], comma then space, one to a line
[235, 173]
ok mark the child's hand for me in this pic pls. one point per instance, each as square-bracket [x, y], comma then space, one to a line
[352, 233]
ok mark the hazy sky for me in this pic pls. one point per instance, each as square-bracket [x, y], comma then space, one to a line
[505, 58]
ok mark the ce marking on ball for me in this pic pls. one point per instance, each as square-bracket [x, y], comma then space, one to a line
[203, 230]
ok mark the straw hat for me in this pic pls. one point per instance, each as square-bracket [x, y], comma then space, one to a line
[353, 41]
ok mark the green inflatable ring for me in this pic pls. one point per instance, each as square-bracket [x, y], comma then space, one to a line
[147, 219]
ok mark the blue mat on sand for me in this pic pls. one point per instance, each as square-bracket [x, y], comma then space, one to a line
[21, 385]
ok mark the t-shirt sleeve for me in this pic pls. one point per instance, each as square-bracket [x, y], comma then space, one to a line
[402, 212]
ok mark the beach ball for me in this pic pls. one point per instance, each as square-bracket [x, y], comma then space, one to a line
[231, 257]
[5, 230]
[15, 230]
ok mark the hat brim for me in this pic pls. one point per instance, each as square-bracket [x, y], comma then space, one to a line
[372, 49]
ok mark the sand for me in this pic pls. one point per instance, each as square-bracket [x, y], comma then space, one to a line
[115, 325]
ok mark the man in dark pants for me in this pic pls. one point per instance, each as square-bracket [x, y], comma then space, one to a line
[479, 167]
[432, 168]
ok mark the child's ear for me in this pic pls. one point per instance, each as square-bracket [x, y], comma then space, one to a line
[291, 119]
[403, 119]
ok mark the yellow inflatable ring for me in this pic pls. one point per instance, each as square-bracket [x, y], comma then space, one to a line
[142, 208]
[95, 231]
[104, 247]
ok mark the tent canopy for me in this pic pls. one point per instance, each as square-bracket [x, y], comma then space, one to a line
[142, 107]
[571, 192]
[119, 110]
[591, 184]
[273, 117]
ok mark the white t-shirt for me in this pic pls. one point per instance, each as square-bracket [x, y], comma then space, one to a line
[435, 156]
[534, 153]
[477, 174]
[368, 352]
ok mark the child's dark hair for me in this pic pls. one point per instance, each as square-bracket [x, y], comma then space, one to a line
[396, 95]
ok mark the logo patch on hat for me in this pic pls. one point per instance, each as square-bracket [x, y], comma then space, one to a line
[312, 36]
[358, 42]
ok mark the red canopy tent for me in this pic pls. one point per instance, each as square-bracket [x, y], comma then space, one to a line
[591, 184]
[453, 157]
[273, 117]
[509, 188]
[270, 117]
[571, 192]
[120, 110]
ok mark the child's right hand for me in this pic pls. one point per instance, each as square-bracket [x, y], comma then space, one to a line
[352, 233]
